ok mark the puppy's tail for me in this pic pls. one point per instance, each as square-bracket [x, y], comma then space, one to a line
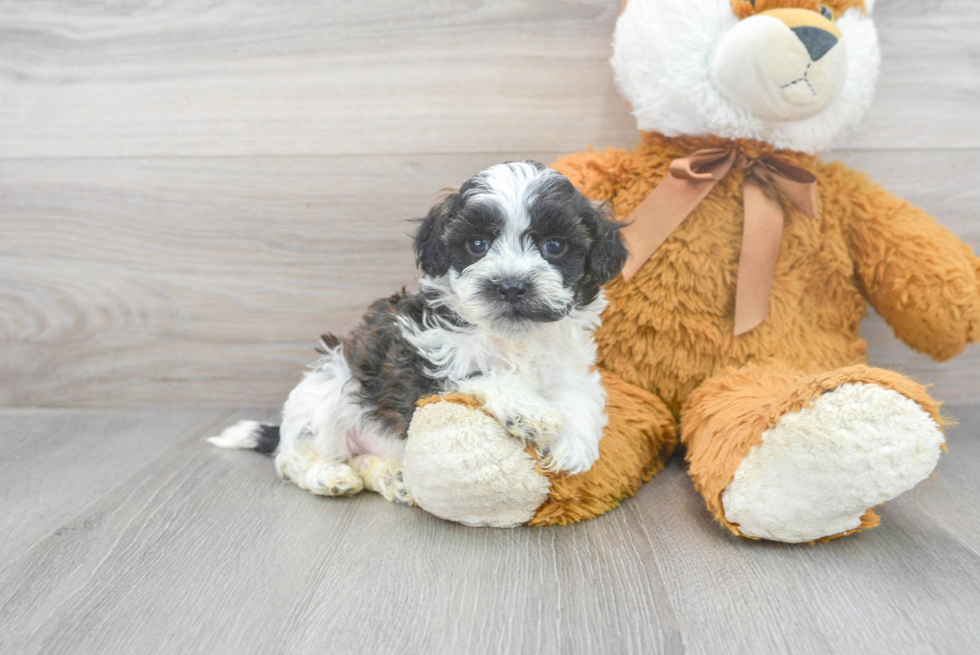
[251, 435]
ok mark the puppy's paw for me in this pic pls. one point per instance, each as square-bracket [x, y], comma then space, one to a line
[543, 451]
[393, 486]
[537, 423]
[385, 476]
[571, 453]
[336, 480]
[304, 468]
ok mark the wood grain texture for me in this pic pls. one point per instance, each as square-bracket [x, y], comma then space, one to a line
[196, 550]
[138, 79]
[206, 281]
[56, 462]
[191, 192]
[266, 77]
[197, 281]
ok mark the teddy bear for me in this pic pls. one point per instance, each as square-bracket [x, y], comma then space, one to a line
[735, 327]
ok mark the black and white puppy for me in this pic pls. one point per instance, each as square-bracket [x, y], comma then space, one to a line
[513, 263]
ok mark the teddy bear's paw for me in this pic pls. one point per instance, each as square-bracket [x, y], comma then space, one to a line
[819, 470]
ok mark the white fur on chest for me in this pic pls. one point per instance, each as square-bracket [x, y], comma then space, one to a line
[541, 387]
[540, 360]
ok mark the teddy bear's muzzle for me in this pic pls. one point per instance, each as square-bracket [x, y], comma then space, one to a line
[783, 64]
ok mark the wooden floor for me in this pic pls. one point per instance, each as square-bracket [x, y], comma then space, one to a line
[123, 532]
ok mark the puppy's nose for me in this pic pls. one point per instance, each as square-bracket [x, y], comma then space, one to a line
[818, 42]
[512, 290]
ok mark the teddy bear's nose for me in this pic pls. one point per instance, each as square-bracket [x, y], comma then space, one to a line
[818, 42]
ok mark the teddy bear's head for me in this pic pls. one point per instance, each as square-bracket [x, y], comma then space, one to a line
[793, 73]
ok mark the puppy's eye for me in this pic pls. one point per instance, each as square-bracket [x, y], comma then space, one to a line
[826, 12]
[478, 246]
[554, 247]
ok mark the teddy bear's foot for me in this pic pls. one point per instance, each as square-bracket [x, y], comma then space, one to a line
[819, 470]
[463, 466]
[792, 456]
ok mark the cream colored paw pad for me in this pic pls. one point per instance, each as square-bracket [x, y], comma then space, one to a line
[819, 470]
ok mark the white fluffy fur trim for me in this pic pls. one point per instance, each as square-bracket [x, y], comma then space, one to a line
[462, 466]
[819, 470]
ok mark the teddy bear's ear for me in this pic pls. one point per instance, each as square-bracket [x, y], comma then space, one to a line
[431, 253]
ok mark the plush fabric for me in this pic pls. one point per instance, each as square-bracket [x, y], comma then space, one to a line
[816, 472]
[669, 329]
[727, 416]
[746, 8]
[662, 50]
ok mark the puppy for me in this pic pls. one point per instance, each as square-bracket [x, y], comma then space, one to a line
[513, 263]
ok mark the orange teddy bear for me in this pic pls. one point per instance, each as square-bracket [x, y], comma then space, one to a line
[736, 323]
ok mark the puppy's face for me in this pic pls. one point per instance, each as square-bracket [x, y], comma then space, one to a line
[520, 246]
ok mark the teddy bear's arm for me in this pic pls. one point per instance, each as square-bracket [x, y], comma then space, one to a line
[917, 274]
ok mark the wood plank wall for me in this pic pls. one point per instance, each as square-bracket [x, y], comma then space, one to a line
[191, 191]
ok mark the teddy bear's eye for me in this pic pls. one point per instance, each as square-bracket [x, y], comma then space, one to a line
[826, 12]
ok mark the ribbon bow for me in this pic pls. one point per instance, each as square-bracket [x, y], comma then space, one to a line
[691, 179]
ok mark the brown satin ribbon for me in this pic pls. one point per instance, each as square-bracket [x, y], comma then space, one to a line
[691, 179]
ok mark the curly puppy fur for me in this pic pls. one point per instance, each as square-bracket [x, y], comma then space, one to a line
[513, 263]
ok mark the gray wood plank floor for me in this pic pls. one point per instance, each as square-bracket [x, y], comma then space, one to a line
[124, 532]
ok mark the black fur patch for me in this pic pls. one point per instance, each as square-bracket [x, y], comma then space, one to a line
[440, 241]
[392, 374]
[471, 221]
[595, 251]
[268, 439]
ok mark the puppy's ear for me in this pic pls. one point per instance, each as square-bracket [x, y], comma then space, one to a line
[431, 253]
[608, 253]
